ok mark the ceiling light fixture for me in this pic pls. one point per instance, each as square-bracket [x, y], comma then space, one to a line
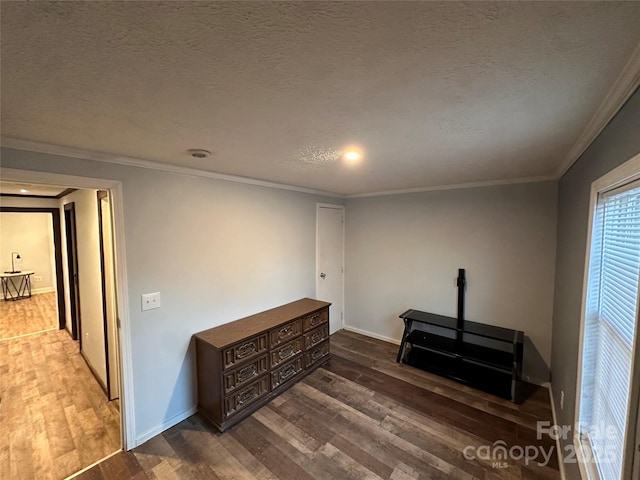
[352, 155]
[23, 190]
[199, 153]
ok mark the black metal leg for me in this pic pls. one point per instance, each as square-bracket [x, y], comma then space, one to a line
[15, 288]
[405, 334]
[13, 291]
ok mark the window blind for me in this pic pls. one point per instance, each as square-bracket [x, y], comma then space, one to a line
[609, 330]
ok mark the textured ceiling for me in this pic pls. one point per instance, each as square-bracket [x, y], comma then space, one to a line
[433, 93]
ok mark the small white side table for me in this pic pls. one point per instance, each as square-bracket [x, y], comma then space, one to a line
[16, 286]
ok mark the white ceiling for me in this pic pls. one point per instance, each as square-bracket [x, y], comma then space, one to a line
[435, 93]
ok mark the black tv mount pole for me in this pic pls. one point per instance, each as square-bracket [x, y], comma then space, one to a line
[461, 282]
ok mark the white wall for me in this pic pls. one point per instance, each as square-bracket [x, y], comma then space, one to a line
[31, 235]
[404, 251]
[89, 278]
[216, 251]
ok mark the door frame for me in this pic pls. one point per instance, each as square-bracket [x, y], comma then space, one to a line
[343, 210]
[101, 194]
[72, 267]
[57, 252]
[127, 413]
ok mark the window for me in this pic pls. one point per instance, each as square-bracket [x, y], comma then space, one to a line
[605, 434]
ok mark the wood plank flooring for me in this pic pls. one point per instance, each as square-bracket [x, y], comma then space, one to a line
[361, 416]
[28, 315]
[54, 417]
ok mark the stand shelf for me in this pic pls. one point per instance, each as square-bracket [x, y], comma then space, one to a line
[482, 356]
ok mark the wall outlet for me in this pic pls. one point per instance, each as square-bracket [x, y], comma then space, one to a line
[150, 301]
[561, 399]
[37, 278]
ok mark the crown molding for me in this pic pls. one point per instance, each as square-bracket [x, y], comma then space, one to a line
[457, 186]
[40, 147]
[620, 91]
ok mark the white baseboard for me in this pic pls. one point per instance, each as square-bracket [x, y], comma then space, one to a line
[558, 446]
[164, 426]
[372, 335]
[36, 291]
[537, 381]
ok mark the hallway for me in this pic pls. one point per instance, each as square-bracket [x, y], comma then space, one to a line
[55, 418]
[29, 315]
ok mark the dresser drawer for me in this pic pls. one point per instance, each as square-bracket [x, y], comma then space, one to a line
[314, 354]
[244, 364]
[245, 374]
[245, 396]
[316, 336]
[287, 351]
[244, 350]
[315, 319]
[285, 333]
[287, 371]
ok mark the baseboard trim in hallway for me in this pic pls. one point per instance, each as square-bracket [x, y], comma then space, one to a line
[28, 334]
[74, 475]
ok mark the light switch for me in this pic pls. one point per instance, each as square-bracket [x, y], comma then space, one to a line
[150, 301]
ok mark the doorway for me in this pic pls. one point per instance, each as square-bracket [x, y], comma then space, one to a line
[330, 261]
[127, 438]
[56, 264]
[46, 369]
[72, 269]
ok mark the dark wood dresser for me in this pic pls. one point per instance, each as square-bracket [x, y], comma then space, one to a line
[244, 364]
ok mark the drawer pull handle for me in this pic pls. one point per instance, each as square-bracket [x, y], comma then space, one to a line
[247, 395]
[315, 320]
[285, 332]
[246, 372]
[286, 352]
[317, 337]
[287, 372]
[246, 349]
[316, 354]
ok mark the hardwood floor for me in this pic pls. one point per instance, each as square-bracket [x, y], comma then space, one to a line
[54, 417]
[361, 416]
[28, 315]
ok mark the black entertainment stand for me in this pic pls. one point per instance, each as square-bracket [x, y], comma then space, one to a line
[482, 356]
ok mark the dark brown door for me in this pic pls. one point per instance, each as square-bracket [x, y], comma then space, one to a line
[72, 263]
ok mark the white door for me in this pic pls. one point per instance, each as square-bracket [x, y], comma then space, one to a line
[330, 261]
